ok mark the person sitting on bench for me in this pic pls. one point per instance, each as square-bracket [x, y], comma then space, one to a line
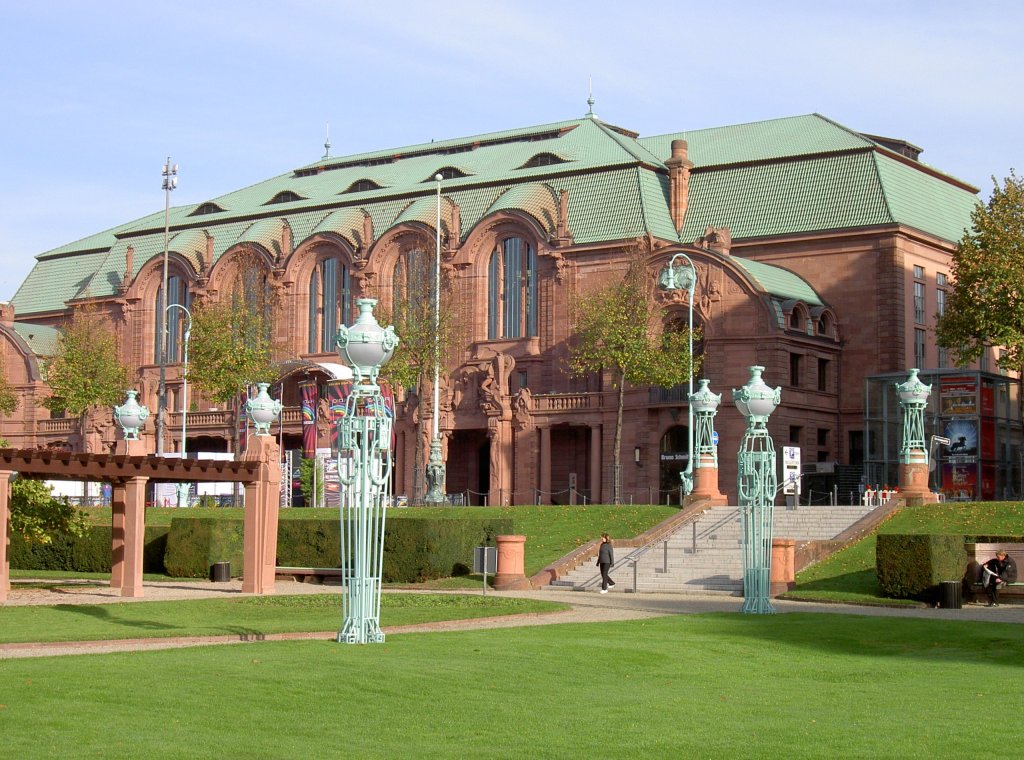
[993, 575]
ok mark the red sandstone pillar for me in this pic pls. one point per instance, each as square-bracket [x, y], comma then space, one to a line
[914, 479]
[511, 563]
[5, 530]
[117, 519]
[262, 497]
[545, 465]
[134, 536]
[783, 573]
[705, 480]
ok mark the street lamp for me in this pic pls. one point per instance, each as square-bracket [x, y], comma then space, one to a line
[757, 483]
[913, 396]
[436, 474]
[183, 488]
[170, 175]
[684, 278]
[365, 442]
[705, 407]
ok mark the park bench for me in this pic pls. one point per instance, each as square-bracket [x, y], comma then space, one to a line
[980, 553]
[308, 574]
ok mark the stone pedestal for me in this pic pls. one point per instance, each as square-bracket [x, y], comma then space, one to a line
[5, 530]
[511, 574]
[914, 481]
[705, 480]
[262, 499]
[783, 575]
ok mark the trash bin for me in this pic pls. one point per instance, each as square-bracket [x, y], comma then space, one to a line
[220, 572]
[950, 596]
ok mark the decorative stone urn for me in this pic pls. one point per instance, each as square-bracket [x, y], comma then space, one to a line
[263, 410]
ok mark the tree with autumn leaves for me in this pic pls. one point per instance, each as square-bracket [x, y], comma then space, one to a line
[986, 306]
[620, 329]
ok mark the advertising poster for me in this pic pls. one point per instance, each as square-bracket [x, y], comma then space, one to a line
[963, 439]
[959, 481]
[337, 396]
[959, 396]
[308, 398]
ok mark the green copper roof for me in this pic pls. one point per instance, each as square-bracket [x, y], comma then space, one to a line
[41, 339]
[779, 282]
[785, 176]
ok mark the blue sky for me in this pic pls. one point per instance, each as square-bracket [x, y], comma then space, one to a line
[97, 94]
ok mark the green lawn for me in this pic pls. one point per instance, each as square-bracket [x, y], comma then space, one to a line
[551, 532]
[250, 615]
[701, 686]
[849, 575]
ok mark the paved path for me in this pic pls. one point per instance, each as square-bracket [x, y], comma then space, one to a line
[585, 608]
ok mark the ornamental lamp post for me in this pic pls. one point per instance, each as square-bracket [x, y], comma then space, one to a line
[170, 181]
[183, 488]
[705, 407]
[436, 474]
[913, 395]
[681, 277]
[757, 483]
[365, 443]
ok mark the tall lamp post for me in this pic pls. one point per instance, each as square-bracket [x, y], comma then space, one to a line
[365, 440]
[913, 451]
[684, 278]
[183, 488]
[170, 175]
[757, 483]
[436, 474]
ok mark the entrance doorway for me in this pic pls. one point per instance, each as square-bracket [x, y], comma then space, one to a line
[674, 453]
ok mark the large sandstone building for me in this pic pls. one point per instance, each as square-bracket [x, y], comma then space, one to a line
[823, 254]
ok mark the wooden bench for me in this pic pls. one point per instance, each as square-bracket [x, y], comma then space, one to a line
[308, 574]
[982, 553]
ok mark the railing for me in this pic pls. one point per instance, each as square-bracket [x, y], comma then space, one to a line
[60, 426]
[566, 402]
[216, 419]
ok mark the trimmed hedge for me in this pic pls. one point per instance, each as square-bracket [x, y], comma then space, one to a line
[89, 553]
[913, 565]
[195, 543]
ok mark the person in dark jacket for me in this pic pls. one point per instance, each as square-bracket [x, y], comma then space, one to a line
[993, 576]
[605, 559]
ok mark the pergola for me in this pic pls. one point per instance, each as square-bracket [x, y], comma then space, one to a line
[258, 471]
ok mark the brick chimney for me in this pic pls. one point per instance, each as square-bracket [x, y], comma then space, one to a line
[679, 167]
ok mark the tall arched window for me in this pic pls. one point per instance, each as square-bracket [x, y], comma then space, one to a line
[330, 303]
[177, 293]
[412, 284]
[512, 290]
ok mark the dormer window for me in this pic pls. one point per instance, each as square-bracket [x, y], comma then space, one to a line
[447, 172]
[543, 159]
[207, 208]
[285, 196]
[362, 186]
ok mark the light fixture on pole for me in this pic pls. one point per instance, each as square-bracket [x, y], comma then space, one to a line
[705, 407]
[436, 474]
[364, 467]
[170, 181]
[684, 278]
[183, 488]
[913, 396]
[757, 483]
[130, 416]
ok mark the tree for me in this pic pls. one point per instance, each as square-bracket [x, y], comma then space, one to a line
[412, 364]
[619, 328]
[986, 306]
[85, 371]
[36, 515]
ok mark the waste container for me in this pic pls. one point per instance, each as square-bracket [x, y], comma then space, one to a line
[220, 572]
[950, 596]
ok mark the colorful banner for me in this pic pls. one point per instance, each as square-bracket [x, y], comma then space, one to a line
[959, 395]
[337, 396]
[308, 399]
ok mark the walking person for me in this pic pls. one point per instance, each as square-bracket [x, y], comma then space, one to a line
[605, 559]
[994, 574]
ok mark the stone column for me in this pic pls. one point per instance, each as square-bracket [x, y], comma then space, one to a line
[595, 464]
[5, 530]
[545, 465]
[705, 480]
[134, 536]
[511, 563]
[132, 448]
[262, 497]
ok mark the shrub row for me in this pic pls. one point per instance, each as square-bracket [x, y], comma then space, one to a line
[414, 549]
[914, 565]
[89, 553]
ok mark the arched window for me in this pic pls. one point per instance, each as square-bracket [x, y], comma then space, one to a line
[177, 293]
[412, 284]
[330, 303]
[512, 290]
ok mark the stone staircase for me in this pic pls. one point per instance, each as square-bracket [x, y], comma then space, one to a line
[705, 555]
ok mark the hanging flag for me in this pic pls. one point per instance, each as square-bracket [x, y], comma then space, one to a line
[308, 398]
[337, 397]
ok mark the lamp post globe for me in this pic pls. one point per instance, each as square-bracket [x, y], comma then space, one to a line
[263, 409]
[131, 416]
